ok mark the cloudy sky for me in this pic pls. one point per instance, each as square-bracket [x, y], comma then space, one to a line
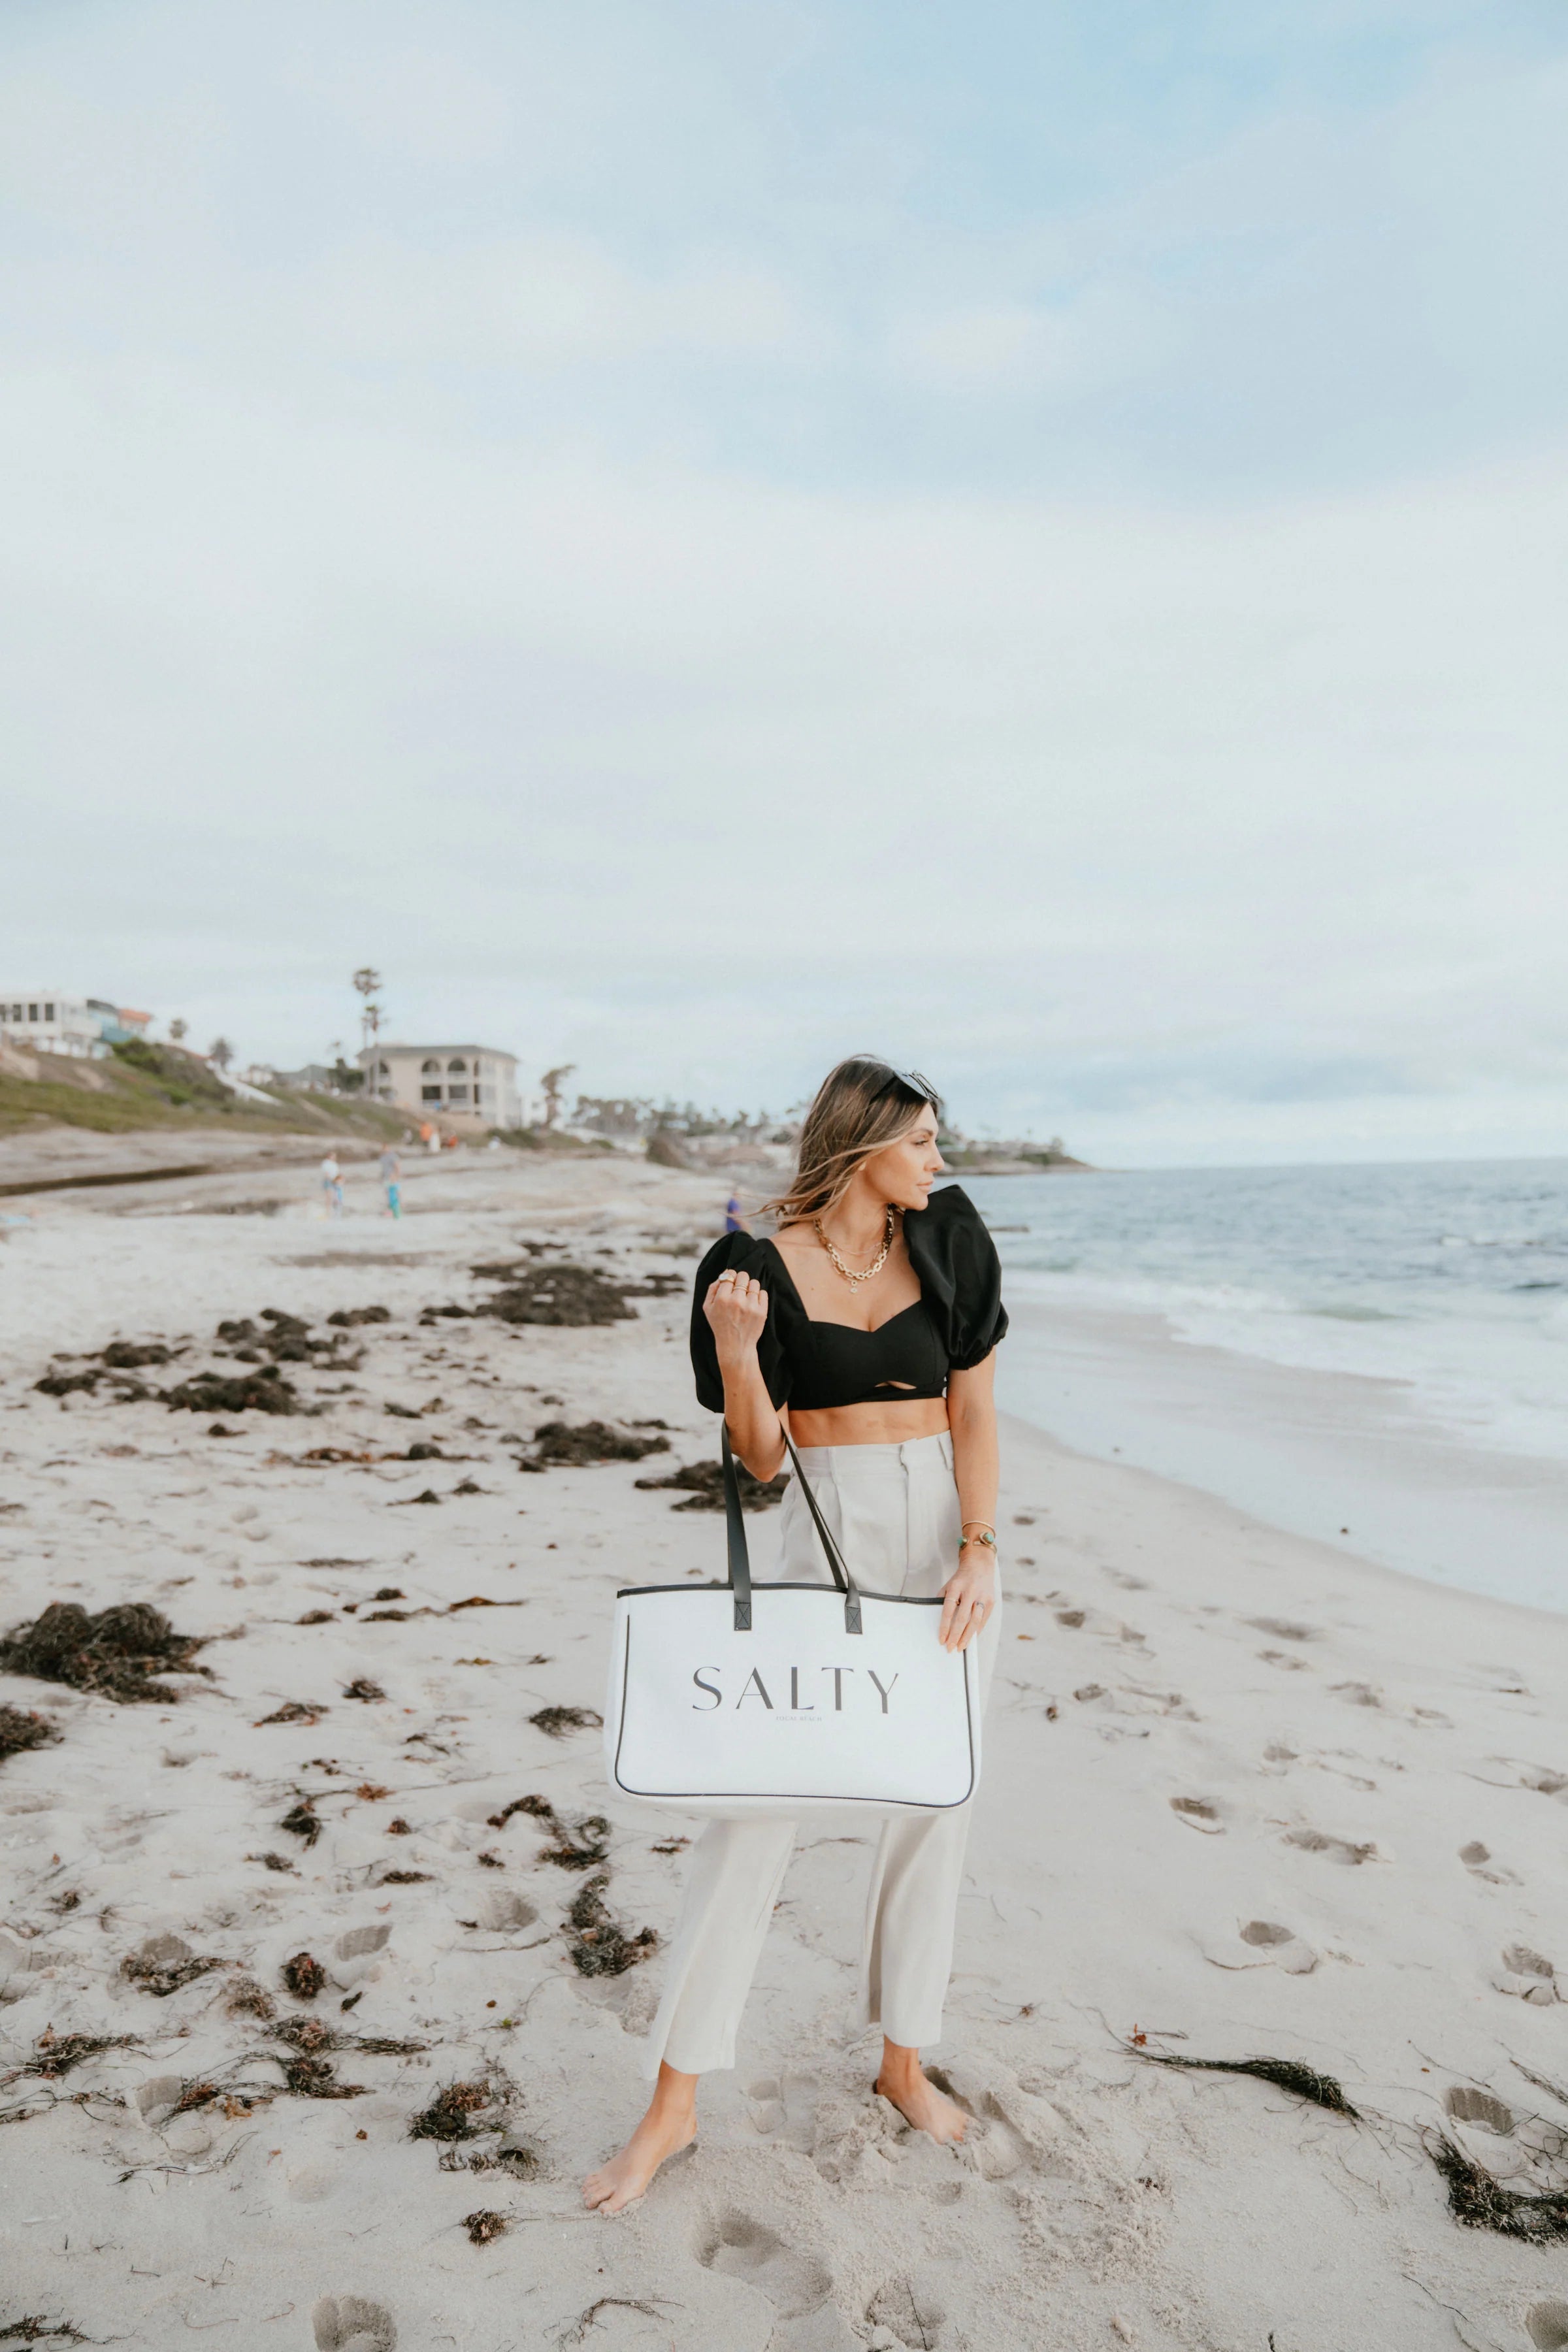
[699, 535]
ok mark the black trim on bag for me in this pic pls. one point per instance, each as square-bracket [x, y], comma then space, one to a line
[739, 1576]
[781, 1796]
[912, 1600]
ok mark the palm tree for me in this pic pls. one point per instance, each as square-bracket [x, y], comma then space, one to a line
[367, 979]
[177, 1030]
[553, 1082]
[220, 1052]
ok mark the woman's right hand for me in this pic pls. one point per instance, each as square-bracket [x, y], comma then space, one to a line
[737, 1310]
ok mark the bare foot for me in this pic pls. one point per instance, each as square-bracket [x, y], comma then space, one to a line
[669, 2125]
[921, 2105]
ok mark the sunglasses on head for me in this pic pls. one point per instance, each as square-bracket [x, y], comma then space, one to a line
[913, 1081]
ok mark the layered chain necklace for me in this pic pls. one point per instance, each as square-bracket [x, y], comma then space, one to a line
[854, 1276]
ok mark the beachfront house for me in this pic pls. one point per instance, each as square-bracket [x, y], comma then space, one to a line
[50, 1021]
[454, 1085]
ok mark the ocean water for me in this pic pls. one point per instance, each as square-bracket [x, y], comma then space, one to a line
[1400, 1332]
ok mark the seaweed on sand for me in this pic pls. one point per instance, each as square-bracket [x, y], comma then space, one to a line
[116, 1654]
[581, 1847]
[703, 1484]
[54, 2054]
[1285, 2073]
[1476, 2202]
[288, 1339]
[247, 1999]
[483, 2226]
[164, 1964]
[557, 1442]
[599, 1948]
[346, 1316]
[557, 1294]
[315, 2078]
[539, 1808]
[450, 2114]
[21, 1730]
[556, 1722]
[304, 1976]
[263, 1392]
[133, 1356]
[300, 1821]
[519, 2158]
[311, 2038]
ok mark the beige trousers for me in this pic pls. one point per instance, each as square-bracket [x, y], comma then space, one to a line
[895, 1511]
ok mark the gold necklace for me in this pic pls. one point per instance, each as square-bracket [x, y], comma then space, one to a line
[865, 1273]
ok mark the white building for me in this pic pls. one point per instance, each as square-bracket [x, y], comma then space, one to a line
[48, 1021]
[449, 1084]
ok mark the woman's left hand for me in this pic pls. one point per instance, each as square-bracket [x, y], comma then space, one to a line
[968, 1597]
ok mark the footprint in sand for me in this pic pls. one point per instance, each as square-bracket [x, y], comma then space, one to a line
[765, 2105]
[356, 1954]
[505, 1913]
[347, 2323]
[1546, 2325]
[797, 2284]
[156, 2100]
[1334, 1849]
[1467, 2106]
[905, 2311]
[1520, 2147]
[1282, 1945]
[1198, 1814]
[782, 2108]
[1282, 1629]
[1529, 1976]
[1016, 2131]
[1477, 1859]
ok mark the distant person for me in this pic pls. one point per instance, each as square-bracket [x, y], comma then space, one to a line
[735, 1216]
[333, 1184]
[429, 1136]
[392, 1178]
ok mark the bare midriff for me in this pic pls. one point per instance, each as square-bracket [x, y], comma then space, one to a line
[880, 1423]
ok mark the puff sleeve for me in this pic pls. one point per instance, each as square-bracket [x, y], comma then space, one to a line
[745, 1252]
[959, 1273]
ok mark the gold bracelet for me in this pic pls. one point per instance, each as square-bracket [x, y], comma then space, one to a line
[986, 1538]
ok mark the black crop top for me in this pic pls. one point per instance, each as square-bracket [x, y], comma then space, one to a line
[815, 1365]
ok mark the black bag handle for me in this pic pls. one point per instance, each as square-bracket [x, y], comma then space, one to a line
[740, 1576]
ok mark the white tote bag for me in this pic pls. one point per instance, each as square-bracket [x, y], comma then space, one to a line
[738, 1698]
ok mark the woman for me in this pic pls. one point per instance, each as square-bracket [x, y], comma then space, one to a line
[871, 1318]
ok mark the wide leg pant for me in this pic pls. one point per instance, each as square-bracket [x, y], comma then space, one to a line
[895, 1511]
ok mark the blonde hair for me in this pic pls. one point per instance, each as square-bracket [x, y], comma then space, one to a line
[861, 1107]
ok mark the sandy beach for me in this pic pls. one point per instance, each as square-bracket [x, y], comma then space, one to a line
[1245, 1797]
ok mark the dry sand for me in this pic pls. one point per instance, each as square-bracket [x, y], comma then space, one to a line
[1244, 1798]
